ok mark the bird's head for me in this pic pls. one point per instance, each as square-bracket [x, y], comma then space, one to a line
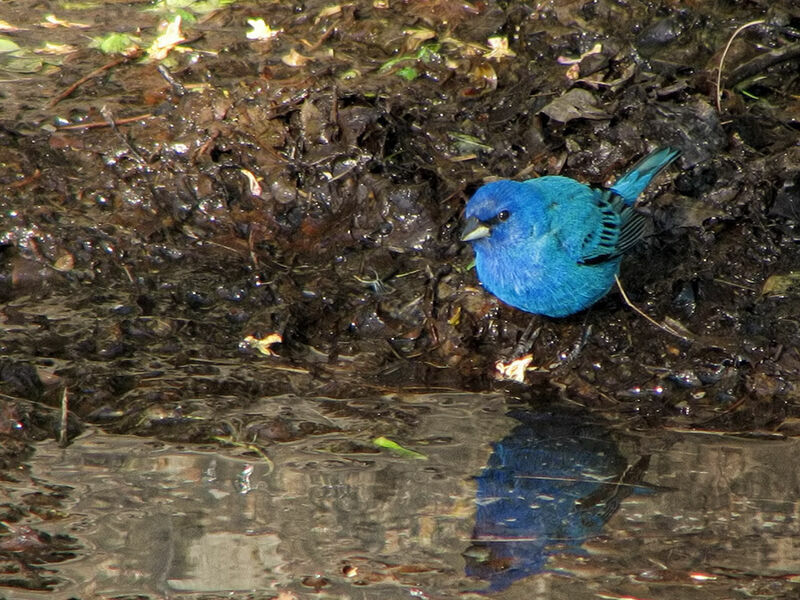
[501, 212]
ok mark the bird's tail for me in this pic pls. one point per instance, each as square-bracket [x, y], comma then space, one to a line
[630, 185]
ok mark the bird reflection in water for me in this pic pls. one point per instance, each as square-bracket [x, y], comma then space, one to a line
[549, 485]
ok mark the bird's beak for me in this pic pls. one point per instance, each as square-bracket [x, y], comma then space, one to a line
[474, 230]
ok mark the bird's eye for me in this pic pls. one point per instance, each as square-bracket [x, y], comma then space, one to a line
[503, 215]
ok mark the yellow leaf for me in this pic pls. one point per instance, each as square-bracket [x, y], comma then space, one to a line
[52, 21]
[260, 30]
[515, 369]
[295, 59]
[499, 48]
[264, 345]
[171, 37]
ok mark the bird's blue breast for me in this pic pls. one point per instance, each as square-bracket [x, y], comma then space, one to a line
[546, 281]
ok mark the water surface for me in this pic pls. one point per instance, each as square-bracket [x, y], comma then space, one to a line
[666, 515]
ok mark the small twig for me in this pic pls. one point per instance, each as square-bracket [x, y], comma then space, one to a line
[23, 182]
[732, 408]
[95, 124]
[319, 42]
[735, 285]
[226, 439]
[63, 435]
[251, 245]
[127, 270]
[762, 62]
[112, 122]
[643, 314]
[722, 59]
[67, 92]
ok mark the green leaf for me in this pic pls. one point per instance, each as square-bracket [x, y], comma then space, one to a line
[113, 43]
[350, 74]
[429, 52]
[383, 442]
[22, 64]
[408, 73]
[392, 62]
[186, 15]
[203, 7]
[466, 142]
[7, 45]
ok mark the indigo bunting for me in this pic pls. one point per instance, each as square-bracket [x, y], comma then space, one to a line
[552, 246]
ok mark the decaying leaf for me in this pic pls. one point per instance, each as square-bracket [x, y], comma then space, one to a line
[468, 143]
[19, 62]
[577, 103]
[165, 42]
[417, 35]
[483, 78]
[50, 48]
[260, 30]
[64, 263]
[574, 72]
[255, 186]
[514, 370]
[6, 26]
[295, 59]
[566, 60]
[7, 45]
[782, 285]
[264, 345]
[499, 48]
[52, 21]
[329, 11]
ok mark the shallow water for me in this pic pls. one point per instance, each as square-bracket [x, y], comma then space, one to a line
[586, 514]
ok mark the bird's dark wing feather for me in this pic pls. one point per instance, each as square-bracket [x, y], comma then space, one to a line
[620, 228]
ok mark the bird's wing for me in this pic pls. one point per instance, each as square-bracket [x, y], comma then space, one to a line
[618, 228]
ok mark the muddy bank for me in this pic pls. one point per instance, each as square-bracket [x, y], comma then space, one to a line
[311, 185]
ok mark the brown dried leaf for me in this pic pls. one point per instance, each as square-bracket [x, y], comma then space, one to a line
[577, 103]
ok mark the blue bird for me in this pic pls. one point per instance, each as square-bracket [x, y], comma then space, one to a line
[552, 246]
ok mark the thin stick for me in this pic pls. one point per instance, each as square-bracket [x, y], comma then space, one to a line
[95, 124]
[722, 59]
[99, 71]
[63, 436]
[109, 116]
[23, 182]
[762, 62]
[643, 314]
